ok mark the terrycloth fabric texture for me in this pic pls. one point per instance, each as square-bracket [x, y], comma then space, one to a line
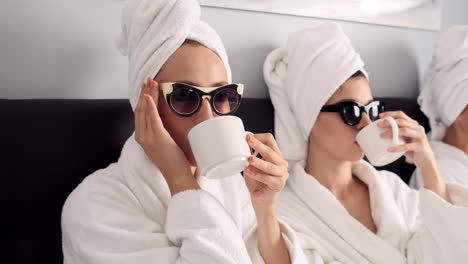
[444, 92]
[153, 30]
[302, 77]
[452, 163]
[125, 214]
[412, 226]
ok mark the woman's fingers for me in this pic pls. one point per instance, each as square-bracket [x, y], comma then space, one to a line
[153, 90]
[137, 114]
[404, 132]
[153, 118]
[405, 148]
[141, 115]
[397, 115]
[274, 183]
[272, 169]
[269, 140]
[268, 167]
[407, 127]
[400, 122]
[147, 119]
[417, 149]
[266, 151]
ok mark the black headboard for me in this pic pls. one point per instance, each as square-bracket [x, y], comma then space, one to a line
[53, 144]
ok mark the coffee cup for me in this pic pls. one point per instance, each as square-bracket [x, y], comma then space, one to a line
[220, 146]
[376, 148]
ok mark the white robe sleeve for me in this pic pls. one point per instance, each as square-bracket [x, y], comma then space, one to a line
[101, 229]
[439, 229]
[442, 236]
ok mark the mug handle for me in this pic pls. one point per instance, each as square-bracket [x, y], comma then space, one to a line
[250, 133]
[395, 130]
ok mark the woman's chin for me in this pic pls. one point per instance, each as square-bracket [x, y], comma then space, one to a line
[191, 160]
[190, 157]
[352, 156]
[359, 157]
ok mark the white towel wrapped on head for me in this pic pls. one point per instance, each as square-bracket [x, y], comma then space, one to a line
[153, 30]
[302, 77]
[444, 92]
[443, 97]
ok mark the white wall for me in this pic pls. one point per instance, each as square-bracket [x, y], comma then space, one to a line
[394, 56]
[64, 49]
[61, 49]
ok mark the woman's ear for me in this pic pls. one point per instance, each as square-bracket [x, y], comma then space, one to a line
[463, 119]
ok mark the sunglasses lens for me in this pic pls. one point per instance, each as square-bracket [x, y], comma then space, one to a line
[374, 112]
[184, 100]
[226, 100]
[351, 113]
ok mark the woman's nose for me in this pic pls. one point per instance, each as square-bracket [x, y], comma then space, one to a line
[205, 112]
[365, 120]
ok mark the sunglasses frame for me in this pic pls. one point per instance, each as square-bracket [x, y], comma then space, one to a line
[338, 108]
[203, 92]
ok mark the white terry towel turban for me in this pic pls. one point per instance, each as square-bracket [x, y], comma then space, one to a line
[444, 93]
[152, 30]
[302, 77]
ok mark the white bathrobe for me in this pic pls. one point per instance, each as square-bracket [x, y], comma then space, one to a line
[413, 226]
[452, 163]
[125, 214]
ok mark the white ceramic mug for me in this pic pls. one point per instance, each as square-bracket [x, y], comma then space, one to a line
[376, 148]
[220, 146]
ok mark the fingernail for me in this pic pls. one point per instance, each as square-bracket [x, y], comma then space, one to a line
[391, 149]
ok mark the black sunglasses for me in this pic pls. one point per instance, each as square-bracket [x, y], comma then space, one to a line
[185, 100]
[351, 111]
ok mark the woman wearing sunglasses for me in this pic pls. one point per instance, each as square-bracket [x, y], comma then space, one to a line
[444, 100]
[152, 206]
[343, 209]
